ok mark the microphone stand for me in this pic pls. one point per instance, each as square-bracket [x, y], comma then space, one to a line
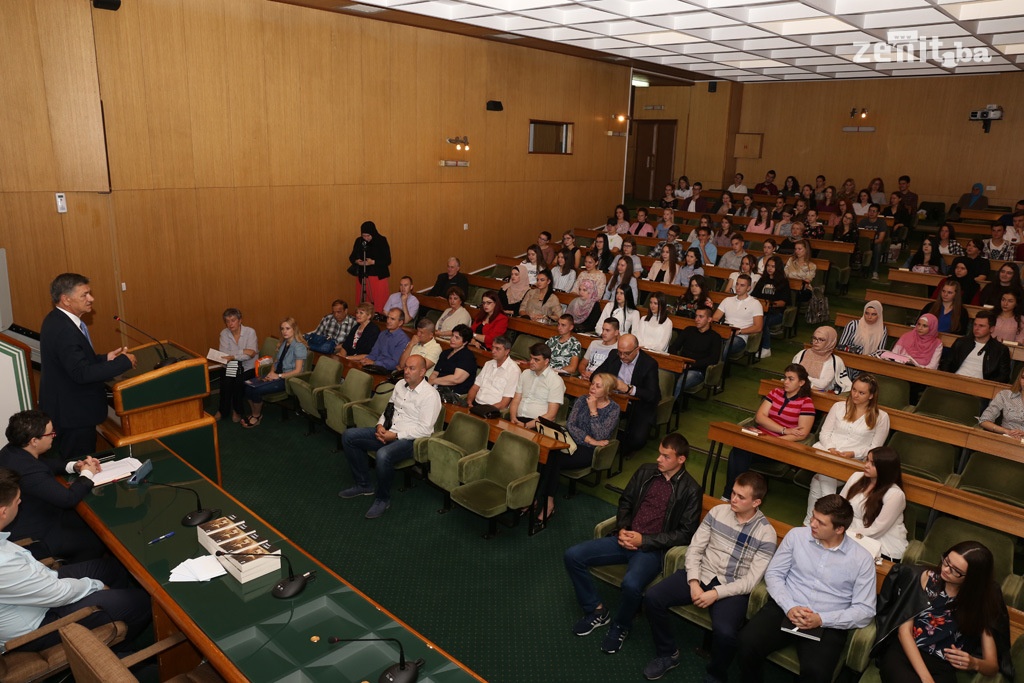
[362, 280]
[161, 350]
[402, 672]
[198, 516]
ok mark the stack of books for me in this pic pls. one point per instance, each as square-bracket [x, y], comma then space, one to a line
[253, 556]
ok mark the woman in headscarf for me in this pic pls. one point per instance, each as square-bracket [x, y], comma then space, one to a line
[922, 344]
[584, 309]
[866, 334]
[513, 291]
[975, 199]
[825, 370]
[960, 272]
[371, 259]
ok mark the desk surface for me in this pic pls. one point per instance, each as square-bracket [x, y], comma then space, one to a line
[244, 632]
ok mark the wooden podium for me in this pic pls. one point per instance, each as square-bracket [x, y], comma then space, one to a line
[165, 403]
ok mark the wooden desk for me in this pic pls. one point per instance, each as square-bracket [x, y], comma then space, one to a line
[908, 301]
[896, 330]
[990, 215]
[499, 425]
[982, 388]
[795, 284]
[640, 241]
[972, 229]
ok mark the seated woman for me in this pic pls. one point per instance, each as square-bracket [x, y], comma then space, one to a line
[490, 322]
[935, 623]
[693, 265]
[975, 199]
[825, 370]
[1008, 408]
[621, 218]
[563, 273]
[842, 208]
[697, 294]
[748, 265]
[361, 339]
[642, 227]
[768, 249]
[960, 273]
[773, 287]
[787, 412]
[747, 208]
[654, 330]
[456, 366]
[898, 211]
[800, 267]
[603, 254]
[927, 259]
[512, 292]
[665, 269]
[590, 272]
[878, 501]
[921, 344]
[762, 222]
[240, 345]
[592, 422]
[628, 253]
[585, 309]
[622, 276]
[978, 266]
[948, 244]
[669, 200]
[289, 360]
[453, 316]
[541, 304]
[1007, 280]
[948, 309]
[571, 251]
[533, 263]
[867, 334]
[1009, 326]
[725, 205]
[622, 308]
[863, 203]
[851, 429]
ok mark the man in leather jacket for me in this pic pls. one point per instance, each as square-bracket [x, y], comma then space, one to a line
[659, 508]
[994, 358]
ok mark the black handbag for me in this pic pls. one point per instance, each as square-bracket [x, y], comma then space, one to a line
[486, 411]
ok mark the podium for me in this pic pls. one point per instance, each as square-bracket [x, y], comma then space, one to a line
[165, 403]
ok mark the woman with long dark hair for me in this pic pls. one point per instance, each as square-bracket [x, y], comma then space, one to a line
[696, 296]
[693, 265]
[602, 253]
[490, 322]
[927, 259]
[622, 307]
[948, 308]
[948, 243]
[654, 331]
[878, 501]
[774, 288]
[1007, 282]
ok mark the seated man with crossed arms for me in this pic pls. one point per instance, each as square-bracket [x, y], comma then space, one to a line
[540, 392]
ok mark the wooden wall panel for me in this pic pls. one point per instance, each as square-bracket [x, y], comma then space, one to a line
[709, 144]
[30, 230]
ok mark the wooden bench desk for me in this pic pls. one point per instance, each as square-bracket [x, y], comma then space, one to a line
[913, 303]
[982, 388]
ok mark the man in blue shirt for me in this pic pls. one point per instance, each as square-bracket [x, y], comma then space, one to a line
[387, 350]
[818, 579]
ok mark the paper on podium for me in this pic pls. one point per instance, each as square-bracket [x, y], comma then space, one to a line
[116, 470]
[197, 569]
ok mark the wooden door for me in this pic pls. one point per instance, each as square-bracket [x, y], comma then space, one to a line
[655, 157]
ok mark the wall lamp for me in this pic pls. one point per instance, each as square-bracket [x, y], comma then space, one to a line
[460, 142]
[863, 113]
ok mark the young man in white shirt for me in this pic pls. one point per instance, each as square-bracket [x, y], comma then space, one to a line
[540, 392]
[743, 312]
[598, 351]
[496, 383]
[737, 186]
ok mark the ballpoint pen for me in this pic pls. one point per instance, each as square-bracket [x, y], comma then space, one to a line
[161, 538]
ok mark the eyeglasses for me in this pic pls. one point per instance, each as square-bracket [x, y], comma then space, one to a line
[818, 339]
[52, 435]
[952, 570]
[627, 354]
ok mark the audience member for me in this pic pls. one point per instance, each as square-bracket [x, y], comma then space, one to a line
[565, 347]
[563, 273]
[960, 273]
[790, 187]
[763, 223]
[240, 345]
[456, 366]
[693, 265]
[547, 252]
[671, 240]
[768, 249]
[842, 208]
[747, 208]
[813, 228]
[683, 187]
[848, 191]
[820, 189]
[404, 300]
[877, 190]
[743, 312]
[784, 225]
[772, 286]
[707, 249]
[423, 344]
[641, 227]
[453, 316]
[450, 278]
[666, 268]
[416, 405]
[796, 233]
[371, 262]
[977, 265]
[289, 360]
[767, 186]
[533, 263]
[827, 203]
[867, 334]
[909, 198]
[696, 203]
[601, 349]
[668, 221]
[541, 304]
[873, 222]
[363, 336]
[702, 345]
[801, 267]
[825, 370]
[570, 250]
[863, 203]
[948, 244]
[622, 308]
[636, 374]
[979, 355]
[878, 501]
[585, 309]
[737, 186]
[731, 259]
[927, 259]
[948, 308]
[389, 345]
[592, 273]
[697, 295]
[1008, 408]
[628, 254]
[659, 509]
[496, 383]
[329, 335]
[901, 217]
[807, 196]
[621, 217]
[602, 253]
[748, 265]
[1007, 218]
[1008, 327]
[997, 248]
[654, 330]
[921, 346]
[623, 277]
[512, 292]
[725, 205]
[540, 392]
[490, 321]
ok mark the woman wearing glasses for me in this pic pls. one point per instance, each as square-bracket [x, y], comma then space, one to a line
[490, 322]
[935, 623]
[827, 371]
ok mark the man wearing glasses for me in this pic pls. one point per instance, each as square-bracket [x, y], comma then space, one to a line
[636, 374]
[47, 508]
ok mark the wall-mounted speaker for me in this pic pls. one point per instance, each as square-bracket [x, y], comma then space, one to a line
[111, 5]
[495, 105]
[712, 86]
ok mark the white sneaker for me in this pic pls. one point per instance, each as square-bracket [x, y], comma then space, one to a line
[766, 353]
[874, 276]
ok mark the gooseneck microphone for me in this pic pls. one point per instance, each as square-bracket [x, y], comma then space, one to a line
[402, 672]
[198, 516]
[285, 588]
[164, 358]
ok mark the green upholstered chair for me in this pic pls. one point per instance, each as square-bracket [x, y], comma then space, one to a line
[752, 349]
[892, 392]
[338, 401]
[949, 405]
[282, 398]
[604, 457]
[466, 435]
[991, 476]
[521, 346]
[713, 377]
[367, 413]
[614, 573]
[500, 480]
[308, 387]
[923, 457]
[667, 384]
[839, 271]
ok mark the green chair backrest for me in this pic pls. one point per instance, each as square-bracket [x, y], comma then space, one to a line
[357, 386]
[269, 346]
[521, 346]
[467, 432]
[511, 458]
[951, 405]
[948, 531]
[923, 457]
[995, 477]
[326, 372]
[893, 393]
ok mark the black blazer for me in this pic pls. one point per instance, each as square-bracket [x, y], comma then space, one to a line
[645, 377]
[43, 499]
[365, 341]
[443, 283]
[71, 389]
[994, 367]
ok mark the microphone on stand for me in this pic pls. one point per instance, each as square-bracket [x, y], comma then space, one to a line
[198, 516]
[402, 672]
[162, 352]
[285, 588]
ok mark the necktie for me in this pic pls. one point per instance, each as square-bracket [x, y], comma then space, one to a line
[85, 331]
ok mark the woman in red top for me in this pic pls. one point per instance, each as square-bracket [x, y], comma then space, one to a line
[490, 322]
[787, 412]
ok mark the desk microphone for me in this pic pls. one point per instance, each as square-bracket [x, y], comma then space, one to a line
[164, 358]
[198, 516]
[285, 588]
[396, 673]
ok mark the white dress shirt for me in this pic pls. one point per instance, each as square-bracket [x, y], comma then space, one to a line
[416, 410]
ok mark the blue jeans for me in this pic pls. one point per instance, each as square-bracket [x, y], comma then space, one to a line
[736, 345]
[727, 617]
[876, 254]
[358, 442]
[688, 380]
[643, 567]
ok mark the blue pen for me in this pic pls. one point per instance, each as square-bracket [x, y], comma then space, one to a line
[161, 538]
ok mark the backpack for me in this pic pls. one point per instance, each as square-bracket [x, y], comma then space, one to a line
[817, 307]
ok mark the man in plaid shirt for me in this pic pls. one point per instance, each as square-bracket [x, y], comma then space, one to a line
[332, 330]
[726, 558]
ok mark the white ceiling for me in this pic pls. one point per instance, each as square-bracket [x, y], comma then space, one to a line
[759, 40]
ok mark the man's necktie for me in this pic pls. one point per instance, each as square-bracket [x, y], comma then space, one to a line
[85, 331]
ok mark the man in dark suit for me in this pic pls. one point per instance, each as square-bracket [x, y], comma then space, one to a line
[451, 277]
[47, 512]
[980, 355]
[636, 374]
[71, 389]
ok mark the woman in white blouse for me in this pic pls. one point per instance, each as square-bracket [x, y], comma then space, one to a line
[654, 330]
[851, 429]
[878, 501]
[622, 309]
[454, 315]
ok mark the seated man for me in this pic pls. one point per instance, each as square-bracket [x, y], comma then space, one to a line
[697, 203]
[612, 236]
[737, 186]
[708, 250]
[909, 198]
[636, 374]
[387, 350]
[450, 278]
[997, 248]
[47, 508]
[599, 350]
[671, 240]
[699, 343]
[422, 344]
[980, 354]
[412, 413]
[405, 300]
[743, 312]
[33, 595]
[725, 560]
[660, 508]
[540, 391]
[732, 258]
[881, 228]
[496, 383]
[768, 186]
[819, 578]
[328, 336]
[565, 347]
